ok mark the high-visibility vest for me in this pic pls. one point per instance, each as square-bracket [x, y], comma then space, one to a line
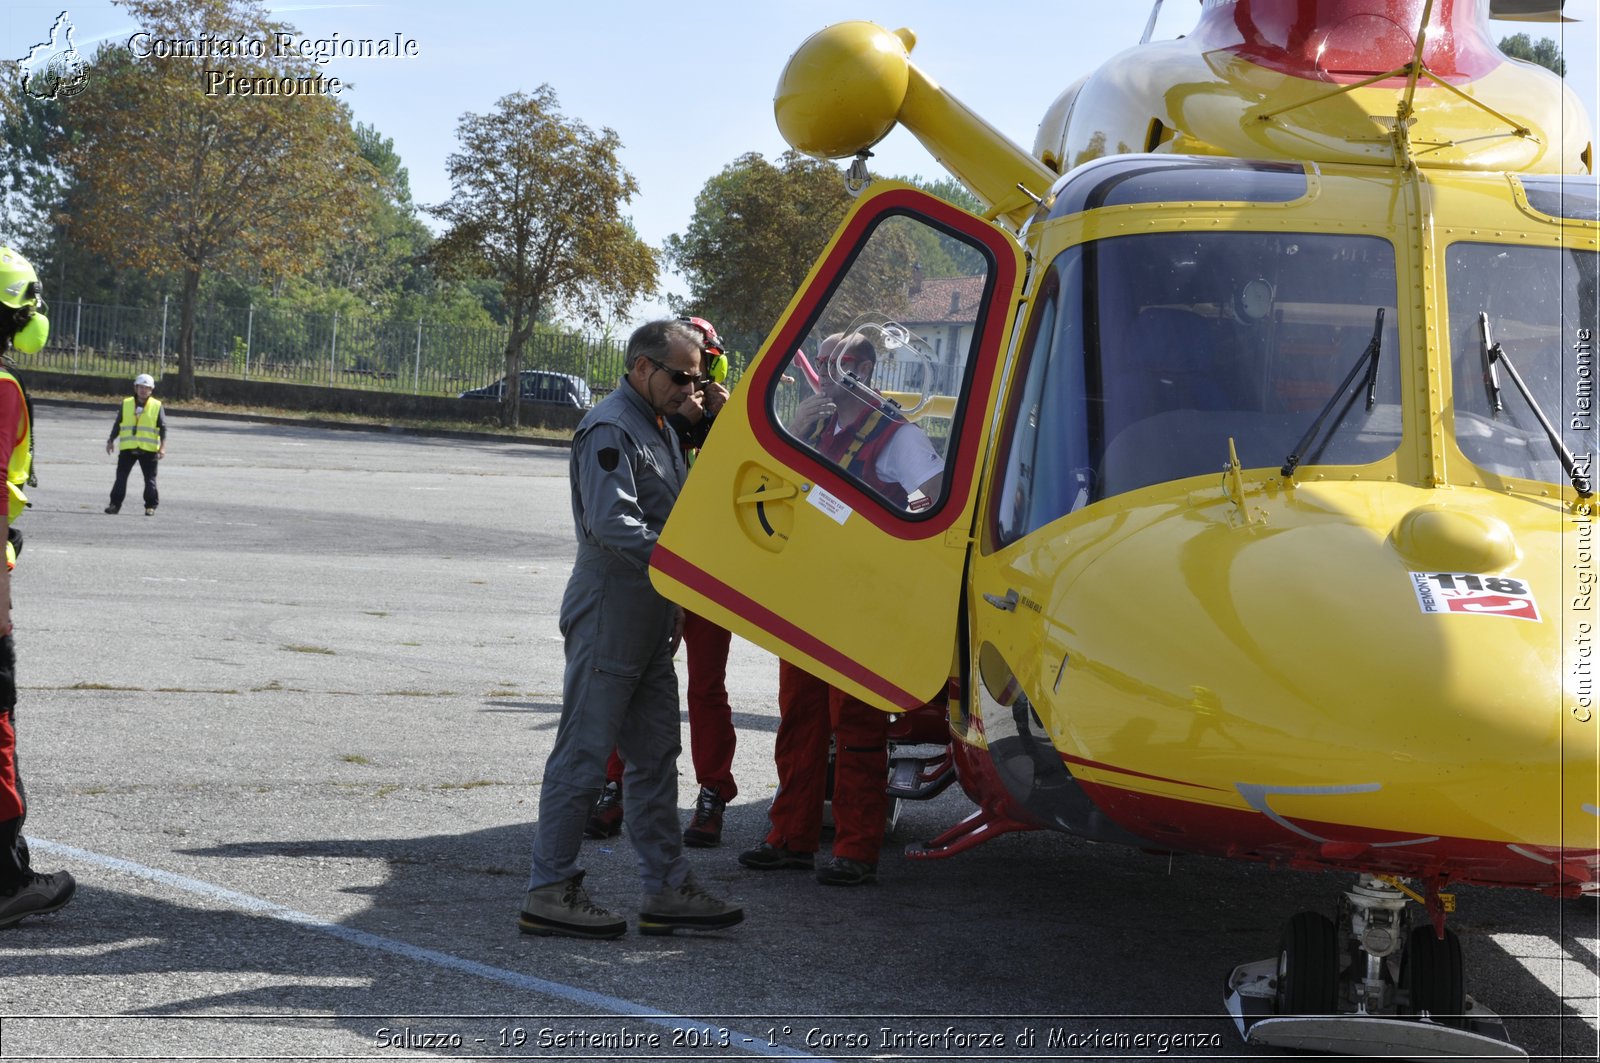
[21, 465]
[858, 451]
[139, 433]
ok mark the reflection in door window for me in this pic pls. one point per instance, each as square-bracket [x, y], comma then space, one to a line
[874, 389]
[1147, 353]
[1538, 306]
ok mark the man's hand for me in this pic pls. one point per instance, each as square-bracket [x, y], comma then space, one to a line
[672, 644]
[692, 408]
[812, 409]
[108, 446]
[714, 397]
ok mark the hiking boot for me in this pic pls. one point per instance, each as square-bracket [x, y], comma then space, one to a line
[605, 818]
[565, 908]
[113, 509]
[768, 857]
[689, 907]
[43, 893]
[149, 511]
[842, 871]
[705, 829]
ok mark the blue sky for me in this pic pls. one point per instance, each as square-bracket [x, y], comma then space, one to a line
[688, 87]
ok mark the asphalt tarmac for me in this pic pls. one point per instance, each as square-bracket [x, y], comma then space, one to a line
[287, 733]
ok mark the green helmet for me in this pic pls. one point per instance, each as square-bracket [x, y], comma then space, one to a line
[19, 292]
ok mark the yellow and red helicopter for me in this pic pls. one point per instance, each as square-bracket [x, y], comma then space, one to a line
[1265, 390]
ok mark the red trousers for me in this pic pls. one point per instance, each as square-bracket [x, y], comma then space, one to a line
[809, 712]
[13, 850]
[711, 732]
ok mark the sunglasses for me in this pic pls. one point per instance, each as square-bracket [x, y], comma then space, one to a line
[679, 376]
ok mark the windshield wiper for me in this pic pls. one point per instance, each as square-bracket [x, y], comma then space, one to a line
[1370, 358]
[1493, 353]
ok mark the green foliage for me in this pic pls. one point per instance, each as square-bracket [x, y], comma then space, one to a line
[535, 204]
[178, 182]
[385, 250]
[948, 189]
[940, 255]
[1544, 51]
[756, 231]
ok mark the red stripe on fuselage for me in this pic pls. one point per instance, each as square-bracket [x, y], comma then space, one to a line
[748, 609]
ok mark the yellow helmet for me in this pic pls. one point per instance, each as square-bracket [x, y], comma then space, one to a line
[20, 294]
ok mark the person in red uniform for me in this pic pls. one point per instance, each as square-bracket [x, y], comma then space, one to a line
[896, 460]
[712, 737]
[23, 327]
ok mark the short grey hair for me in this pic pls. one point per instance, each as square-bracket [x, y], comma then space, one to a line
[654, 340]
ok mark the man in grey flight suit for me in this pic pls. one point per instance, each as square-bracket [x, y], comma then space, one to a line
[620, 688]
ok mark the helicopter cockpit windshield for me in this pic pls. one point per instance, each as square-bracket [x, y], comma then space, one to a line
[1536, 305]
[1146, 353]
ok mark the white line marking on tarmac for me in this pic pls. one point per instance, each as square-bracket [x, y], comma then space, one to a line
[616, 1005]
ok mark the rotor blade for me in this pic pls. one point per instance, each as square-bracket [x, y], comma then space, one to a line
[1528, 10]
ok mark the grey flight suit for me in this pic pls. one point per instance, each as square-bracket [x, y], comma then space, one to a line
[620, 688]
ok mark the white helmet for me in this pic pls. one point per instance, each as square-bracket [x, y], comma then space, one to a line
[144, 380]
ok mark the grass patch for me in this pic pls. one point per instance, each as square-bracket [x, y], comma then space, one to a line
[354, 758]
[102, 686]
[308, 649]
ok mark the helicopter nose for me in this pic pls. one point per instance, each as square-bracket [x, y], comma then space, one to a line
[1341, 659]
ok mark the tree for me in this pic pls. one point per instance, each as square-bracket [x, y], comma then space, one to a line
[32, 185]
[756, 231]
[948, 189]
[1544, 51]
[937, 254]
[183, 176]
[384, 255]
[536, 203]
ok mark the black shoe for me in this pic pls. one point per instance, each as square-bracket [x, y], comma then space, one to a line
[842, 871]
[767, 857]
[43, 893]
[112, 509]
[605, 818]
[705, 829]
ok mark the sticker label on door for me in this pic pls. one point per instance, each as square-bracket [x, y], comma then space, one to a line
[1474, 594]
[829, 504]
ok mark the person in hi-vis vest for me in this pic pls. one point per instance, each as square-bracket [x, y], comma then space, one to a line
[139, 434]
[24, 328]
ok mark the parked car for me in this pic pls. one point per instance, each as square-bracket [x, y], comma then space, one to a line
[539, 385]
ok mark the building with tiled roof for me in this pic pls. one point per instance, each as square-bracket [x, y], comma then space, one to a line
[942, 310]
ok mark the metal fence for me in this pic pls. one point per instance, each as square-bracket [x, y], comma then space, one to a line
[327, 350]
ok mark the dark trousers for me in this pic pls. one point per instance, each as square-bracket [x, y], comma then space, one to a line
[712, 737]
[147, 465]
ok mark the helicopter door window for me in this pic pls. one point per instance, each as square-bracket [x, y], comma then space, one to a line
[873, 392]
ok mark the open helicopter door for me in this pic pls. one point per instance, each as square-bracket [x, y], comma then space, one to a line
[827, 518]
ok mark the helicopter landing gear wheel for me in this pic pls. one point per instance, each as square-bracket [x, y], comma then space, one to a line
[1308, 966]
[1433, 974]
